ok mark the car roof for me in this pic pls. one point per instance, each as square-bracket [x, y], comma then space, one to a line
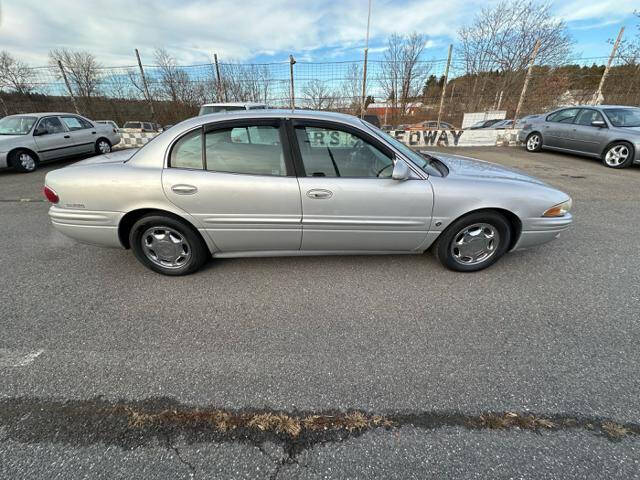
[43, 114]
[233, 104]
[273, 113]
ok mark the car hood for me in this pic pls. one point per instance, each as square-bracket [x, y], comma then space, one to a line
[473, 168]
[119, 156]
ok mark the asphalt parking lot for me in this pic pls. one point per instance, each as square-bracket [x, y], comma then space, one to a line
[104, 364]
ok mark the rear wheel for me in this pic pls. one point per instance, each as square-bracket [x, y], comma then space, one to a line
[23, 161]
[533, 143]
[167, 245]
[473, 242]
[103, 146]
[618, 155]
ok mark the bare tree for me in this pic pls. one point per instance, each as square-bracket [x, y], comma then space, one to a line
[502, 37]
[15, 75]
[403, 73]
[317, 95]
[82, 69]
[246, 83]
[351, 89]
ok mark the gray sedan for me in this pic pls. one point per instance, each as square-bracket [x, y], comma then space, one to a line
[29, 139]
[277, 183]
[608, 132]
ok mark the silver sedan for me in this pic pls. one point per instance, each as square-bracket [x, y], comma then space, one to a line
[277, 183]
[608, 132]
[27, 140]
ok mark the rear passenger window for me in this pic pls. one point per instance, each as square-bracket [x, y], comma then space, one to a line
[563, 116]
[187, 152]
[73, 123]
[254, 150]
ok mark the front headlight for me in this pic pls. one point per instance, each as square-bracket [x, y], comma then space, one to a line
[559, 210]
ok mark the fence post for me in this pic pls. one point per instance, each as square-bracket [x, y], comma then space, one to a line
[364, 69]
[4, 106]
[146, 88]
[219, 79]
[444, 86]
[292, 61]
[66, 82]
[526, 83]
[597, 97]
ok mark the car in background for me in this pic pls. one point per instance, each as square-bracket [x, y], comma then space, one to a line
[608, 132]
[484, 123]
[110, 122]
[135, 126]
[501, 125]
[299, 182]
[431, 125]
[208, 108]
[30, 139]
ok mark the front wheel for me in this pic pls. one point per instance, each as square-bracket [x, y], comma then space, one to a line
[473, 242]
[23, 161]
[167, 245]
[533, 143]
[618, 155]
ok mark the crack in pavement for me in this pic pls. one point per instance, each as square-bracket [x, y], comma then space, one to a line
[131, 424]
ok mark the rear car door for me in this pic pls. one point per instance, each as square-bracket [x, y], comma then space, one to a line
[56, 142]
[558, 128]
[587, 138]
[83, 133]
[237, 179]
[349, 200]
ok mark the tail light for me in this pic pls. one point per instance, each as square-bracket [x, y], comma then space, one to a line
[50, 194]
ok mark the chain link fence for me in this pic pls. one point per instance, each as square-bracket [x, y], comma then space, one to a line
[395, 93]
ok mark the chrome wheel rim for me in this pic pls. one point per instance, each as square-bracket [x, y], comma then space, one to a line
[617, 155]
[104, 147]
[27, 161]
[165, 247]
[475, 244]
[533, 142]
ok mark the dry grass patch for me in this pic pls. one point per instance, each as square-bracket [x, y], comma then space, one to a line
[615, 430]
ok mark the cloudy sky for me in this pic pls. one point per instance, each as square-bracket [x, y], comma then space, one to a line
[268, 30]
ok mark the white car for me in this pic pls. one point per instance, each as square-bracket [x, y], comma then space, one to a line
[111, 123]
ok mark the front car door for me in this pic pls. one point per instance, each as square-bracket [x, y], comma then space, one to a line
[558, 128]
[349, 200]
[587, 138]
[83, 133]
[56, 142]
[236, 178]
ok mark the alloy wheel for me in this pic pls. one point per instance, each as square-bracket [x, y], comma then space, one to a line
[166, 247]
[617, 155]
[533, 142]
[475, 244]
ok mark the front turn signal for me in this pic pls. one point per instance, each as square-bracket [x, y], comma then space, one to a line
[559, 210]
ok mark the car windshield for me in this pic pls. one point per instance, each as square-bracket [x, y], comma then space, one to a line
[424, 162]
[16, 125]
[623, 117]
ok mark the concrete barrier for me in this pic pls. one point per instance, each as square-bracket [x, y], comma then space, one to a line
[456, 138]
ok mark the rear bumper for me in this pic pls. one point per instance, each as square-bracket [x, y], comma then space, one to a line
[94, 227]
[3, 160]
[542, 230]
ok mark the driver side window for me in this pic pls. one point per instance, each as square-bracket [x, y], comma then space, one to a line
[328, 152]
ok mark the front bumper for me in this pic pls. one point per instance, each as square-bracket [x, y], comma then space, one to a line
[541, 230]
[3, 160]
[94, 227]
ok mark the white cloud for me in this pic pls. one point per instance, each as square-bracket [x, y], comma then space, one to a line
[235, 29]
[601, 10]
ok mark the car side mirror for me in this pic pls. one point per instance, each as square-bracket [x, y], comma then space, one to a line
[40, 131]
[598, 123]
[400, 170]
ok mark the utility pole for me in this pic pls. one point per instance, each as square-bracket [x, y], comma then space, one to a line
[526, 83]
[219, 79]
[66, 82]
[146, 87]
[597, 97]
[292, 62]
[444, 86]
[364, 70]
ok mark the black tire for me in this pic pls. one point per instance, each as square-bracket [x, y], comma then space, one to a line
[623, 147]
[529, 146]
[98, 148]
[22, 165]
[198, 253]
[444, 248]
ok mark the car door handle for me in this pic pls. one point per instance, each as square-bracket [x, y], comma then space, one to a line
[93, 133]
[184, 189]
[319, 193]
[67, 136]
